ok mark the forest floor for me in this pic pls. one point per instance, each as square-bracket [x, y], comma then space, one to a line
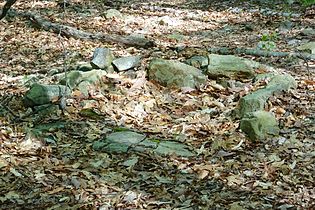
[229, 172]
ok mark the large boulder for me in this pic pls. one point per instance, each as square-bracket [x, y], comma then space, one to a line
[174, 73]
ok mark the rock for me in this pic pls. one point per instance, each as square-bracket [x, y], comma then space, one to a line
[256, 100]
[125, 63]
[84, 66]
[119, 142]
[164, 148]
[138, 40]
[232, 67]
[83, 80]
[198, 61]
[285, 26]
[53, 72]
[72, 80]
[41, 94]
[265, 76]
[307, 47]
[128, 141]
[167, 21]
[113, 13]
[102, 58]
[308, 32]
[280, 83]
[174, 73]
[294, 42]
[176, 36]
[259, 125]
[173, 148]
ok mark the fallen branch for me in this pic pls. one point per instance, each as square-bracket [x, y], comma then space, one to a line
[256, 52]
[6, 8]
[69, 31]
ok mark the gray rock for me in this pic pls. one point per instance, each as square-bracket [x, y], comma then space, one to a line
[83, 81]
[176, 36]
[125, 63]
[259, 125]
[128, 141]
[308, 32]
[41, 94]
[294, 42]
[102, 58]
[307, 47]
[285, 26]
[174, 73]
[265, 76]
[198, 61]
[84, 66]
[173, 148]
[113, 13]
[256, 100]
[280, 83]
[138, 40]
[71, 79]
[231, 67]
[74, 78]
[119, 142]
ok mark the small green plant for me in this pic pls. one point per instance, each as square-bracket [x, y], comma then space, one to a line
[268, 41]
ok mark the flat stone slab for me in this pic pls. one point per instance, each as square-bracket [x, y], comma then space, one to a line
[128, 141]
[125, 63]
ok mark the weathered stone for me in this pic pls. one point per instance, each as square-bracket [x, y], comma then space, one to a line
[72, 79]
[84, 66]
[176, 36]
[40, 94]
[173, 148]
[138, 40]
[198, 61]
[280, 83]
[265, 76]
[113, 13]
[175, 73]
[102, 58]
[125, 63]
[232, 67]
[119, 142]
[83, 80]
[308, 32]
[259, 125]
[128, 141]
[256, 100]
[307, 47]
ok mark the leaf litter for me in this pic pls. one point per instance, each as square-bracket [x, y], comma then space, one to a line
[58, 169]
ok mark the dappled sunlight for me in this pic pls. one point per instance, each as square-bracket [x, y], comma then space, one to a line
[121, 124]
